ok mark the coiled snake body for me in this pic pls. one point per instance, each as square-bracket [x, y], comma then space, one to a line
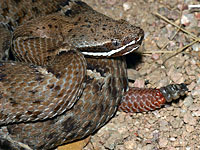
[67, 79]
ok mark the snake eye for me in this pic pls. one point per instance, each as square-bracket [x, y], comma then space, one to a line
[115, 43]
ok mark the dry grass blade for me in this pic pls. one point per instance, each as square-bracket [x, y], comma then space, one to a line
[193, 36]
[170, 22]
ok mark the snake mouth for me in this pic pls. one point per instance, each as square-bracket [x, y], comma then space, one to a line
[127, 47]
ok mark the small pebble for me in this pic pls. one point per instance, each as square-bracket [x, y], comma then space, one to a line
[188, 101]
[163, 142]
[188, 118]
[189, 128]
[127, 6]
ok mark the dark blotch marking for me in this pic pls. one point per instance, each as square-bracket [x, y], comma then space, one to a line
[33, 66]
[18, 116]
[37, 101]
[32, 91]
[50, 70]
[30, 38]
[54, 19]
[109, 87]
[70, 124]
[5, 144]
[1, 96]
[146, 82]
[98, 86]
[51, 50]
[49, 25]
[50, 137]
[80, 3]
[2, 76]
[34, 1]
[5, 10]
[69, 30]
[48, 58]
[36, 10]
[101, 109]
[68, 13]
[75, 23]
[57, 88]
[87, 21]
[26, 53]
[102, 72]
[64, 3]
[91, 67]
[73, 36]
[50, 86]
[10, 127]
[29, 112]
[114, 89]
[43, 27]
[125, 83]
[58, 75]
[92, 30]
[60, 95]
[12, 101]
[17, 1]
[79, 19]
[58, 9]
[1, 64]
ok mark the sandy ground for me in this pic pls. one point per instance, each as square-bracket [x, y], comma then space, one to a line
[177, 125]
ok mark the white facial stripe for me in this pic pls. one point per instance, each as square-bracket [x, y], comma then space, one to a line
[110, 53]
[131, 50]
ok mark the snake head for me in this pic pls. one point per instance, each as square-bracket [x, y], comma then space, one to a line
[95, 34]
[92, 33]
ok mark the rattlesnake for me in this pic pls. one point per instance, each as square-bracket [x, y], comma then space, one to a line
[65, 76]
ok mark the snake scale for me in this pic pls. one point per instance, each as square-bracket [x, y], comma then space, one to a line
[63, 73]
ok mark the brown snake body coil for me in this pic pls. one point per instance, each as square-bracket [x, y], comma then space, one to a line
[48, 75]
[52, 94]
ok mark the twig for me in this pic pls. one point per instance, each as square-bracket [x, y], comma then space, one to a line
[180, 50]
[167, 20]
[194, 37]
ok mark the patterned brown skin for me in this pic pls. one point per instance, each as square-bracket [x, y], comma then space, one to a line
[30, 92]
[97, 105]
[86, 91]
[40, 42]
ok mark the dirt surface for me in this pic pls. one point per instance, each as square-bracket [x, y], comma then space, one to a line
[177, 125]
